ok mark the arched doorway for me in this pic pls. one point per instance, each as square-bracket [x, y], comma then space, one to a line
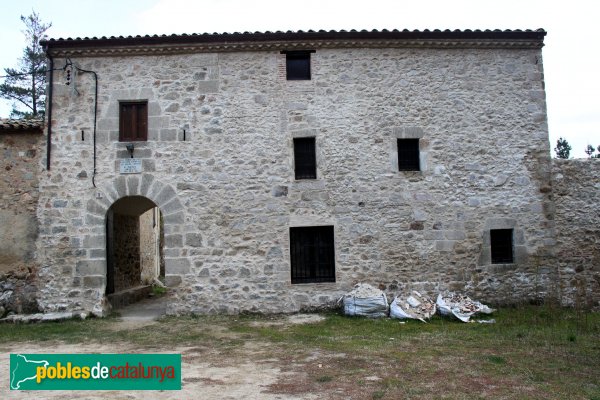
[134, 249]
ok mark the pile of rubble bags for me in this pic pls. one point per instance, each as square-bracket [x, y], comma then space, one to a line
[414, 306]
[367, 301]
[460, 306]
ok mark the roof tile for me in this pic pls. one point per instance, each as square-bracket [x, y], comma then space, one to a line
[8, 124]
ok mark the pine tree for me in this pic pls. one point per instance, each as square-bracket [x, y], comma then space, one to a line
[562, 149]
[26, 85]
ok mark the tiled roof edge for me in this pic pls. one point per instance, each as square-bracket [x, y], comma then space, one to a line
[534, 36]
[21, 125]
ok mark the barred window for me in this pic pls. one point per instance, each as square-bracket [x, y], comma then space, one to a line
[312, 254]
[305, 159]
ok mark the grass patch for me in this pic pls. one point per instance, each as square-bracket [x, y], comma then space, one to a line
[537, 352]
[324, 378]
[496, 360]
[158, 290]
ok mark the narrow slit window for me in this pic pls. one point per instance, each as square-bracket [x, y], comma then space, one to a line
[133, 121]
[408, 155]
[305, 159]
[312, 254]
[297, 65]
[501, 241]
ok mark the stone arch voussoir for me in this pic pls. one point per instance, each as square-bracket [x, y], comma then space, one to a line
[92, 269]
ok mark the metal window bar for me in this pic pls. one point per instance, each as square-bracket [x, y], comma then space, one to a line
[305, 159]
[312, 254]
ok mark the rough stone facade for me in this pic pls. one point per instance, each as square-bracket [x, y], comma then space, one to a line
[576, 188]
[228, 194]
[20, 159]
[21, 146]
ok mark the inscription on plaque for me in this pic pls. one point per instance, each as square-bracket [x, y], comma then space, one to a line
[130, 166]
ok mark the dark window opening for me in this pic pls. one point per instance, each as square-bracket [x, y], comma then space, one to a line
[502, 246]
[297, 65]
[305, 159]
[408, 155]
[312, 254]
[133, 121]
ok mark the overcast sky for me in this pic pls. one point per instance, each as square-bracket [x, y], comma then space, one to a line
[571, 59]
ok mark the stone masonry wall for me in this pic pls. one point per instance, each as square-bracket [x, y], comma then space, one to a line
[128, 266]
[148, 246]
[577, 197]
[19, 163]
[228, 193]
[19, 166]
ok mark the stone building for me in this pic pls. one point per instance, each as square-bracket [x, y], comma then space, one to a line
[285, 167]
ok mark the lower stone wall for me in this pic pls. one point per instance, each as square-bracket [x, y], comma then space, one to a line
[127, 251]
[576, 189]
[20, 165]
[18, 292]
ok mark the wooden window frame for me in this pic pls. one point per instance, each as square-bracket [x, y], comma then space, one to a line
[305, 158]
[312, 254]
[133, 121]
[408, 155]
[502, 246]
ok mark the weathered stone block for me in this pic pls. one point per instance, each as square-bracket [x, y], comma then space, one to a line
[193, 239]
[175, 240]
[172, 206]
[93, 281]
[444, 245]
[173, 280]
[177, 266]
[90, 267]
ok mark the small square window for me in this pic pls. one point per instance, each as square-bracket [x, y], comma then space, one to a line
[305, 159]
[133, 121]
[312, 254]
[297, 65]
[501, 241]
[408, 155]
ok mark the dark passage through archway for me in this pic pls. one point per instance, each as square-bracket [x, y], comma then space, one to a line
[134, 256]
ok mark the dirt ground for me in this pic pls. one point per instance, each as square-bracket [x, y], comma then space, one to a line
[539, 353]
[250, 373]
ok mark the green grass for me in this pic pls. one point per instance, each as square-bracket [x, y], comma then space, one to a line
[535, 352]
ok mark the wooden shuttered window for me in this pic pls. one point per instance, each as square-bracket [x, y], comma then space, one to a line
[501, 241]
[312, 254]
[133, 121]
[305, 159]
[408, 155]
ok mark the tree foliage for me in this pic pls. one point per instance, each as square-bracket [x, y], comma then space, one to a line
[562, 149]
[589, 150]
[26, 84]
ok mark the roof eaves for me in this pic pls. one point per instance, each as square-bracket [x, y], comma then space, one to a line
[280, 36]
[21, 125]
